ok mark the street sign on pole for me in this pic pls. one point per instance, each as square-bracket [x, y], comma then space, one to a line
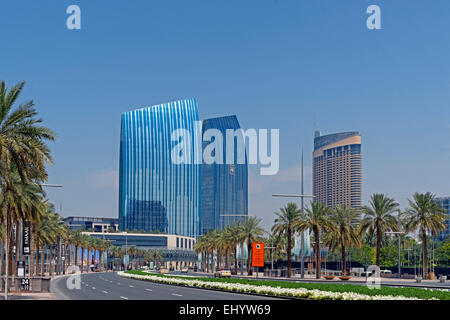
[26, 234]
[258, 254]
[20, 268]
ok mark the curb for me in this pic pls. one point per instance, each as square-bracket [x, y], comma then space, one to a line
[223, 290]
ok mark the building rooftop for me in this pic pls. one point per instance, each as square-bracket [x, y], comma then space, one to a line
[321, 141]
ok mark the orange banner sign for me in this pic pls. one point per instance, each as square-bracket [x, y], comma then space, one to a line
[258, 255]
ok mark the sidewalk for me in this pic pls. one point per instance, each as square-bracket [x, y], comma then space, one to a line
[29, 296]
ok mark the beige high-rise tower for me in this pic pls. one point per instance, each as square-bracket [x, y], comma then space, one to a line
[337, 169]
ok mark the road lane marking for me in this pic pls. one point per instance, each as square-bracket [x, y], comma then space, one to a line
[125, 298]
[105, 291]
[149, 289]
[131, 286]
[177, 295]
[93, 288]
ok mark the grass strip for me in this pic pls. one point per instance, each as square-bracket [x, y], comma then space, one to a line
[341, 288]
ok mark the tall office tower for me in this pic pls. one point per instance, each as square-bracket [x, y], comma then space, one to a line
[224, 187]
[337, 170]
[444, 202]
[156, 194]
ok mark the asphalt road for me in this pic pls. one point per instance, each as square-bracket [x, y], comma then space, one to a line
[110, 286]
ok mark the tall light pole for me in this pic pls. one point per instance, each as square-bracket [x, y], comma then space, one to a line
[271, 252]
[399, 233]
[301, 196]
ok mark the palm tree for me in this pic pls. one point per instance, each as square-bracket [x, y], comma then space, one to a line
[22, 147]
[343, 232]
[50, 232]
[427, 216]
[200, 247]
[379, 219]
[104, 247]
[285, 224]
[251, 231]
[234, 238]
[77, 241]
[229, 242]
[2, 241]
[316, 219]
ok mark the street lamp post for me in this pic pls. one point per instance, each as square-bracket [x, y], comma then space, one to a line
[399, 233]
[271, 253]
[302, 242]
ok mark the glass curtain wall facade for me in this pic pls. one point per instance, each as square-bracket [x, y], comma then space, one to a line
[444, 202]
[156, 194]
[224, 186]
[337, 165]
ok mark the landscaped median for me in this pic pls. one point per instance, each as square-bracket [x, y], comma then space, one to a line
[315, 291]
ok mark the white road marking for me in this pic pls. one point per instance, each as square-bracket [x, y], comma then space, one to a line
[119, 283]
[93, 288]
[149, 289]
[125, 298]
[131, 286]
[105, 291]
[177, 295]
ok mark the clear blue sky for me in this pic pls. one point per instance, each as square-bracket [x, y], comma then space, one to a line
[294, 65]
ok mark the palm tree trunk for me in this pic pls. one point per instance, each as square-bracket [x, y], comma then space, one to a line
[43, 260]
[289, 249]
[50, 262]
[31, 266]
[16, 254]
[235, 261]
[100, 253]
[425, 254]
[1, 259]
[8, 233]
[378, 245]
[76, 255]
[10, 252]
[58, 256]
[317, 239]
[69, 258]
[227, 261]
[36, 265]
[82, 259]
[249, 259]
[344, 272]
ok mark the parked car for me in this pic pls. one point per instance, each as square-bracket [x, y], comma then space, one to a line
[163, 270]
[184, 270]
[222, 273]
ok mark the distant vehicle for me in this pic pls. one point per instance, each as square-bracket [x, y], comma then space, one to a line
[144, 268]
[222, 273]
[184, 270]
[163, 270]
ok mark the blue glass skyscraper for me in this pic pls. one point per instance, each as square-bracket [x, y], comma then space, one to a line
[224, 189]
[444, 202]
[156, 194]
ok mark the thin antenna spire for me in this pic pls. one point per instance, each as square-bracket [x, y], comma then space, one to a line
[302, 180]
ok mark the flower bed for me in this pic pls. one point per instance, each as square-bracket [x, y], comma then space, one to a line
[262, 289]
